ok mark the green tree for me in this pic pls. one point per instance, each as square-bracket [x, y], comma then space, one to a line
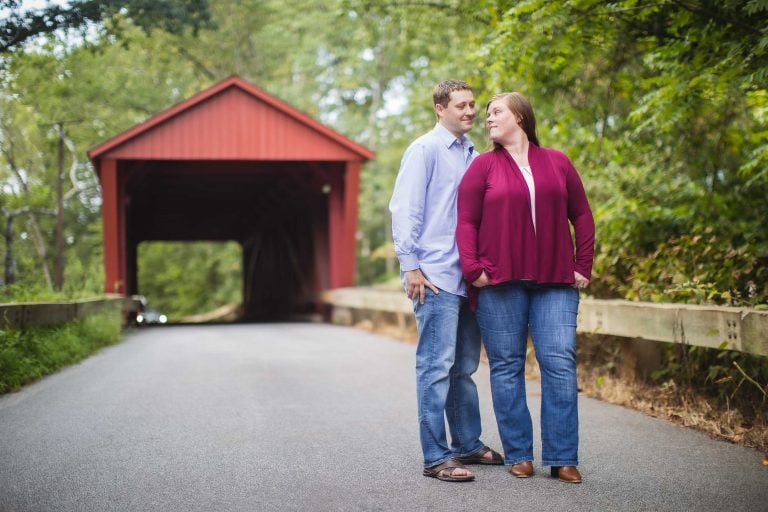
[662, 106]
[174, 16]
[362, 79]
[92, 95]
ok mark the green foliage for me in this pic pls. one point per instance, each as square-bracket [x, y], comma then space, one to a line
[703, 267]
[663, 107]
[170, 15]
[23, 293]
[33, 353]
[182, 279]
[93, 99]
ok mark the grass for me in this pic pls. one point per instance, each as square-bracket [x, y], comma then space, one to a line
[27, 355]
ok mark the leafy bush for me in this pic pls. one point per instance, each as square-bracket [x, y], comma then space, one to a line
[702, 267]
[27, 355]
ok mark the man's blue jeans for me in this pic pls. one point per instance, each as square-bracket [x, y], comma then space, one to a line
[505, 314]
[447, 355]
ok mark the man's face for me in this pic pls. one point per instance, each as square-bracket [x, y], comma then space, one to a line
[459, 116]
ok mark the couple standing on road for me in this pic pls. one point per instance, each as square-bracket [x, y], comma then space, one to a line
[485, 248]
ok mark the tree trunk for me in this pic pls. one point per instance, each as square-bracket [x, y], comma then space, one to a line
[42, 249]
[59, 260]
[37, 236]
[10, 261]
[8, 235]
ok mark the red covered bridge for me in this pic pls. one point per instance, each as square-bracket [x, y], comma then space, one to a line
[234, 163]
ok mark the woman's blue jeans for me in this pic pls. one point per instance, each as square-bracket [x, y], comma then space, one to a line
[506, 314]
[447, 355]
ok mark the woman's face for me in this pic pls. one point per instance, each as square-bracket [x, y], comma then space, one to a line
[501, 122]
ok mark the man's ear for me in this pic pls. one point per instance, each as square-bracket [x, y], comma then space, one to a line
[439, 110]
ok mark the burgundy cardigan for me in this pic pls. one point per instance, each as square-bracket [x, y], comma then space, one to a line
[495, 232]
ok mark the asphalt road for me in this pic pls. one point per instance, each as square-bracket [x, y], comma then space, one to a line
[313, 417]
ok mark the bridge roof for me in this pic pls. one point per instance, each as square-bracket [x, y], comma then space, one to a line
[232, 120]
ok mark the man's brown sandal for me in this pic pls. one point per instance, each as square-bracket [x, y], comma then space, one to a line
[479, 458]
[445, 472]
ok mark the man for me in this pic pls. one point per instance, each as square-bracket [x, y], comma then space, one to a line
[423, 208]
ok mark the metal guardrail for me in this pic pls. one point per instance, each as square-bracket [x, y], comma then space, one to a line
[741, 329]
[31, 314]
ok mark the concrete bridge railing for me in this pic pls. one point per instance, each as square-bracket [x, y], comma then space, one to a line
[23, 315]
[741, 329]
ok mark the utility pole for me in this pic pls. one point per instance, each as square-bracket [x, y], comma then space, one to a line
[58, 282]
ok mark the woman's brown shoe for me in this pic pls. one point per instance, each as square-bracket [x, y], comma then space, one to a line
[522, 469]
[567, 474]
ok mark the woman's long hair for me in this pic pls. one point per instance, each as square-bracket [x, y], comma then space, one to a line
[520, 107]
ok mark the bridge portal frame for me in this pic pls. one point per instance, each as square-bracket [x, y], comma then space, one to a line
[235, 135]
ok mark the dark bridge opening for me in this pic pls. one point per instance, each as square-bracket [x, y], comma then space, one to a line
[277, 211]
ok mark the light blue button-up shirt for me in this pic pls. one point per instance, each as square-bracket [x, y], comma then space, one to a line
[423, 207]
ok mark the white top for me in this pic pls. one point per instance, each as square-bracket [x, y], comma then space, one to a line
[528, 175]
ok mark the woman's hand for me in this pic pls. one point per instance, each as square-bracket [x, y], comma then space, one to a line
[579, 281]
[481, 281]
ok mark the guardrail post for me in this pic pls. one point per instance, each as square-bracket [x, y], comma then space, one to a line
[638, 358]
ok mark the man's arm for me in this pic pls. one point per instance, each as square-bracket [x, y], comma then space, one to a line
[407, 207]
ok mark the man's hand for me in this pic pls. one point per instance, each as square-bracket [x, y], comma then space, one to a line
[481, 281]
[580, 282]
[415, 282]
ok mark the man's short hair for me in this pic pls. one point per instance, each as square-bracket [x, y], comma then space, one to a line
[442, 92]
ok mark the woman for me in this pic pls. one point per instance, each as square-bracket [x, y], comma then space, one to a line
[514, 207]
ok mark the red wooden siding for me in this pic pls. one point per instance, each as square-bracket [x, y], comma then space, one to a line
[232, 120]
[232, 126]
[219, 136]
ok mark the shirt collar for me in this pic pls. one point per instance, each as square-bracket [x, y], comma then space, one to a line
[448, 138]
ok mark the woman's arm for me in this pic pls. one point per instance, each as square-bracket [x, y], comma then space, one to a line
[580, 215]
[470, 214]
